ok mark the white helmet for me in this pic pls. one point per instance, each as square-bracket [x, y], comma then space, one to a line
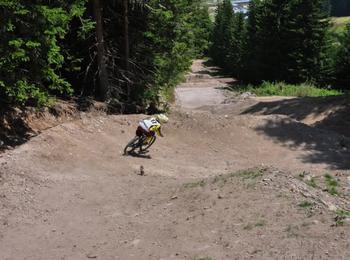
[161, 118]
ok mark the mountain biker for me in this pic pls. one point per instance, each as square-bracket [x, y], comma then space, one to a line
[150, 126]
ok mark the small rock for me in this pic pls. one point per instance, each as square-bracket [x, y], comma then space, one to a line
[220, 196]
[173, 197]
[226, 116]
[315, 222]
[91, 256]
[346, 222]
[332, 207]
[247, 95]
[308, 178]
[135, 242]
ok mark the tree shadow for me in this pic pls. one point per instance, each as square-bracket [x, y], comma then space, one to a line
[331, 113]
[321, 146]
[213, 70]
[14, 130]
[325, 140]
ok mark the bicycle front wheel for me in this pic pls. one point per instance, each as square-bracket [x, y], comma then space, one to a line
[145, 147]
[132, 145]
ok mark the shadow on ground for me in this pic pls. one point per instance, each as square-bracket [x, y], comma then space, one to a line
[13, 129]
[318, 125]
[216, 72]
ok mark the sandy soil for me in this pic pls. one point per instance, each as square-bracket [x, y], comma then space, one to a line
[232, 179]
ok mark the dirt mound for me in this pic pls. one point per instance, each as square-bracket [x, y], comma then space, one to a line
[19, 124]
[241, 214]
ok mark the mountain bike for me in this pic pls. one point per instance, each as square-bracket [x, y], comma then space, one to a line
[139, 142]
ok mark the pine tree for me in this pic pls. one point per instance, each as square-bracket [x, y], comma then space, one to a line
[31, 54]
[237, 44]
[305, 38]
[222, 35]
[286, 41]
[253, 54]
[343, 61]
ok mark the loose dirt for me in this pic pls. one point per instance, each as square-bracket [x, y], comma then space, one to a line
[234, 178]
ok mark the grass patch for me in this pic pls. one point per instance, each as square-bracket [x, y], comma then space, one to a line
[251, 174]
[308, 207]
[221, 179]
[192, 185]
[260, 223]
[250, 226]
[306, 204]
[302, 175]
[339, 24]
[331, 184]
[283, 89]
[311, 182]
[341, 215]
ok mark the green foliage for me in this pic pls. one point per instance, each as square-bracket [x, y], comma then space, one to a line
[331, 184]
[283, 89]
[30, 54]
[49, 48]
[192, 185]
[312, 182]
[342, 60]
[306, 204]
[341, 215]
[228, 38]
[339, 24]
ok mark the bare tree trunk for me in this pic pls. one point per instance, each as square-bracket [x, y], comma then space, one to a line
[101, 59]
[126, 44]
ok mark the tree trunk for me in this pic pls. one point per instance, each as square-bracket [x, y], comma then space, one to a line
[126, 45]
[101, 59]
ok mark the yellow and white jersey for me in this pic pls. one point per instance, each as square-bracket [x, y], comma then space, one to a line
[150, 124]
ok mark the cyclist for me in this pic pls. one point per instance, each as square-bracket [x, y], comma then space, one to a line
[150, 126]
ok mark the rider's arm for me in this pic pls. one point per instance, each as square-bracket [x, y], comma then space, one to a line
[159, 132]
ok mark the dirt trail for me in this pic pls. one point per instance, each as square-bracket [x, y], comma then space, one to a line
[70, 194]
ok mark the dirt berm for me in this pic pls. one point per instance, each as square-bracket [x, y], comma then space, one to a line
[236, 177]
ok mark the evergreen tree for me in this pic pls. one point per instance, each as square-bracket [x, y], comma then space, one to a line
[31, 58]
[305, 40]
[286, 41]
[137, 50]
[343, 61]
[222, 34]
